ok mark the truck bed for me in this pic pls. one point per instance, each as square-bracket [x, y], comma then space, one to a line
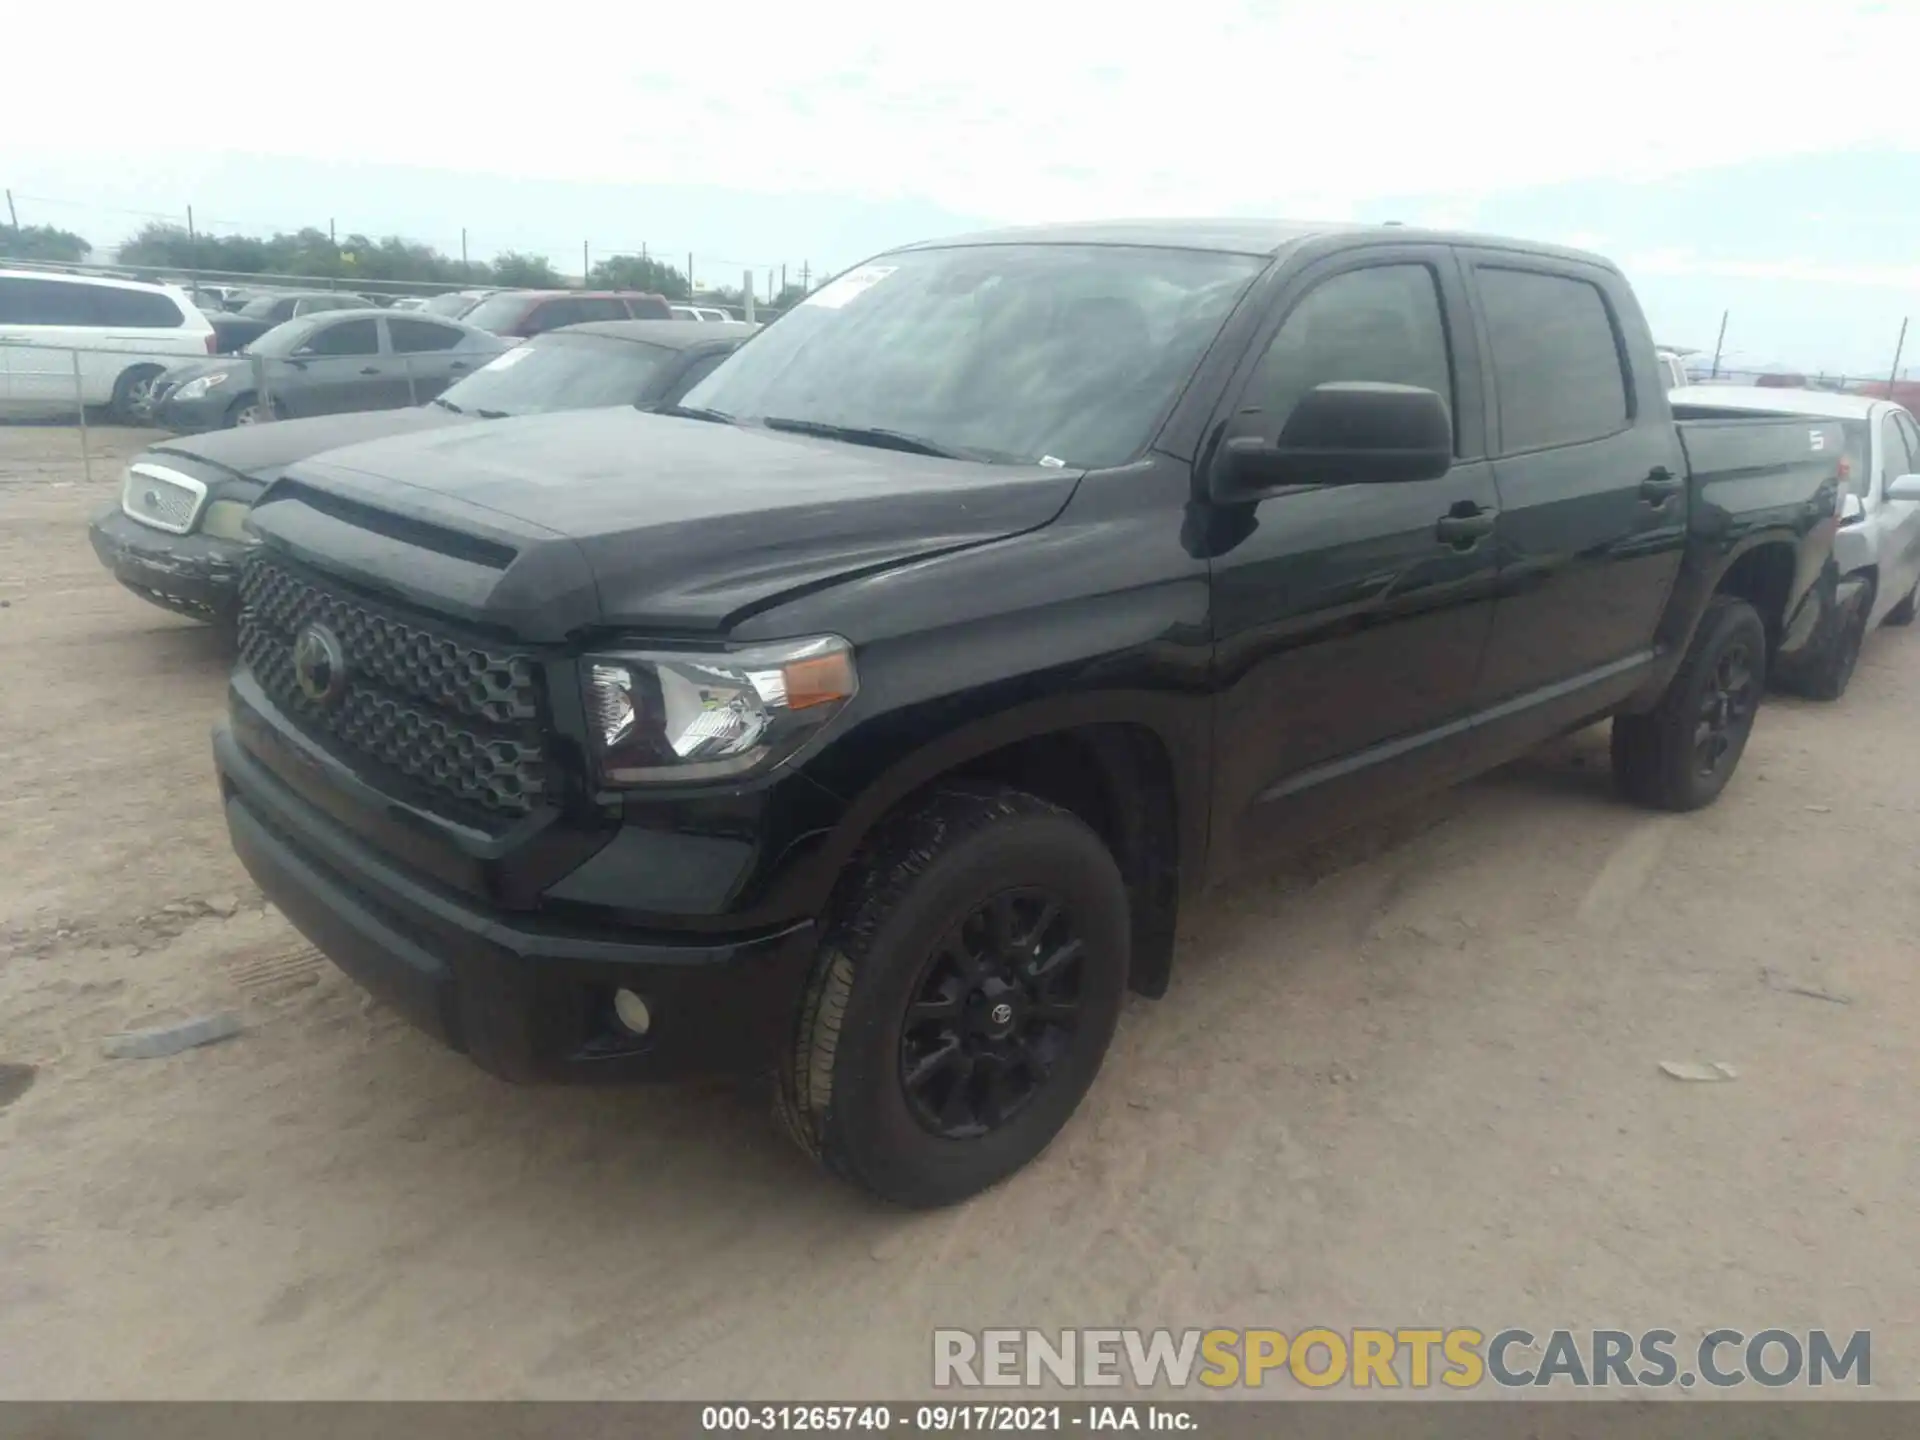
[1763, 468]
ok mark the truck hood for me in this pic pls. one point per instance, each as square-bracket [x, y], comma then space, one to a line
[260, 452]
[551, 525]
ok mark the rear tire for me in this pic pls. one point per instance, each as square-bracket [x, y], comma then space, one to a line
[1680, 754]
[950, 1027]
[129, 391]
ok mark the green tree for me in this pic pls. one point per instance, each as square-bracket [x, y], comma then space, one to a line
[635, 272]
[42, 242]
[518, 270]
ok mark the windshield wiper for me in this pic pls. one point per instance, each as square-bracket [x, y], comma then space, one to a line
[491, 414]
[694, 412]
[448, 405]
[866, 435]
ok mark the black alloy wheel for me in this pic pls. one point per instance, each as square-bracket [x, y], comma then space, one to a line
[994, 1011]
[1727, 707]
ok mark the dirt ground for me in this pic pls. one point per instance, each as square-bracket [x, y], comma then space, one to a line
[1412, 1080]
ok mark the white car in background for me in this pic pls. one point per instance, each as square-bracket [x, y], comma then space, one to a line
[708, 313]
[1877, 549]
[120, 333]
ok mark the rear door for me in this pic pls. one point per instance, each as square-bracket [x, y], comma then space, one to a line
[339, 367]
[1592, 489]
[426, 358]
[1349, 619]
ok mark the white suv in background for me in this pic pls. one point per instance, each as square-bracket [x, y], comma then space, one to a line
[124, 332]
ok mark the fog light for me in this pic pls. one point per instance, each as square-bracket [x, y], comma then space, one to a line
[631, 1011]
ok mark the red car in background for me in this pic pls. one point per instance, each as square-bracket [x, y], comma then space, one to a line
[523, 314]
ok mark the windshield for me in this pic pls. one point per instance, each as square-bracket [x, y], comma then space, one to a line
[1069, 353]
[452, 306]
[559, 371]
[497, 311]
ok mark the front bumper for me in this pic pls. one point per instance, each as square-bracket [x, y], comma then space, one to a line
[186, 417]
[526, 999]
[191, 575]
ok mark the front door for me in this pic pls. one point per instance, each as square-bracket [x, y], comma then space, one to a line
[340, 367]
[1350, 619]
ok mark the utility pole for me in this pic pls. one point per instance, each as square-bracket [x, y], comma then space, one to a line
[746, 296]
[689, 274]
[332, 239]
[466, 270]
[805, 272]
[1720, 342]
[193, 245]
[783, 279]
[1898, 346]
[585, 268]
[12, 214]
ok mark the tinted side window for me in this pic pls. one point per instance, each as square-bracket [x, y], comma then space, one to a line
[137, 309]
[284, 310]
[1555, 358]
[1895, 458]
[410, 337]
[1912, 432]
[350, 337]
[649, 307]
[46, 302]
[1383, 324]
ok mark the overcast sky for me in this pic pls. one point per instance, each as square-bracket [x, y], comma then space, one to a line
[825, 131]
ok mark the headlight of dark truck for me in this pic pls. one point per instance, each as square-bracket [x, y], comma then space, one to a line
[668, 717]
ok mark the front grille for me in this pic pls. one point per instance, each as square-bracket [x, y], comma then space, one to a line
[161, 497]
[443, 717]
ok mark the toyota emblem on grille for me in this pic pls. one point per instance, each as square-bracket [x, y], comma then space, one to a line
[319, 664]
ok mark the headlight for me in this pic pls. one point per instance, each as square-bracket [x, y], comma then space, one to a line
[194, 389]
[662, 717]
[227, 520]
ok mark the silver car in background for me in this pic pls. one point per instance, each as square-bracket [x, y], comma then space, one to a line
[1877, 550]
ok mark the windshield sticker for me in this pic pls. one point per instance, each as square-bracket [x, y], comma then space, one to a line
[849, 286]
[1053, 462]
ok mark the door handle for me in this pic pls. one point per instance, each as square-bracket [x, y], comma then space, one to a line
[1464, 528]
[458, 365]
[371, 370]
[1660, 486]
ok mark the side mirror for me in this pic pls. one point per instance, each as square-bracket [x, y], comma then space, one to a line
[1906, 487]
[1349, 432]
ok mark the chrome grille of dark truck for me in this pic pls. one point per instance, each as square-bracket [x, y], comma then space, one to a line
[447, 716]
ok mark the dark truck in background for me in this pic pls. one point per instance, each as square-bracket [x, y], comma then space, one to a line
[868, 716]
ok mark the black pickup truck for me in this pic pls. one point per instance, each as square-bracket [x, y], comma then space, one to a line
[867, 717]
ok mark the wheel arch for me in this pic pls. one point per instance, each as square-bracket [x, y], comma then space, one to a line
[1133, 772]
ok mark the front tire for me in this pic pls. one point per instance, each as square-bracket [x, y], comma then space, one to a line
[1903, 613]
[1680, 754]
[130, 392]
[1831, 671]
[248, 410]
[964, 1000]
